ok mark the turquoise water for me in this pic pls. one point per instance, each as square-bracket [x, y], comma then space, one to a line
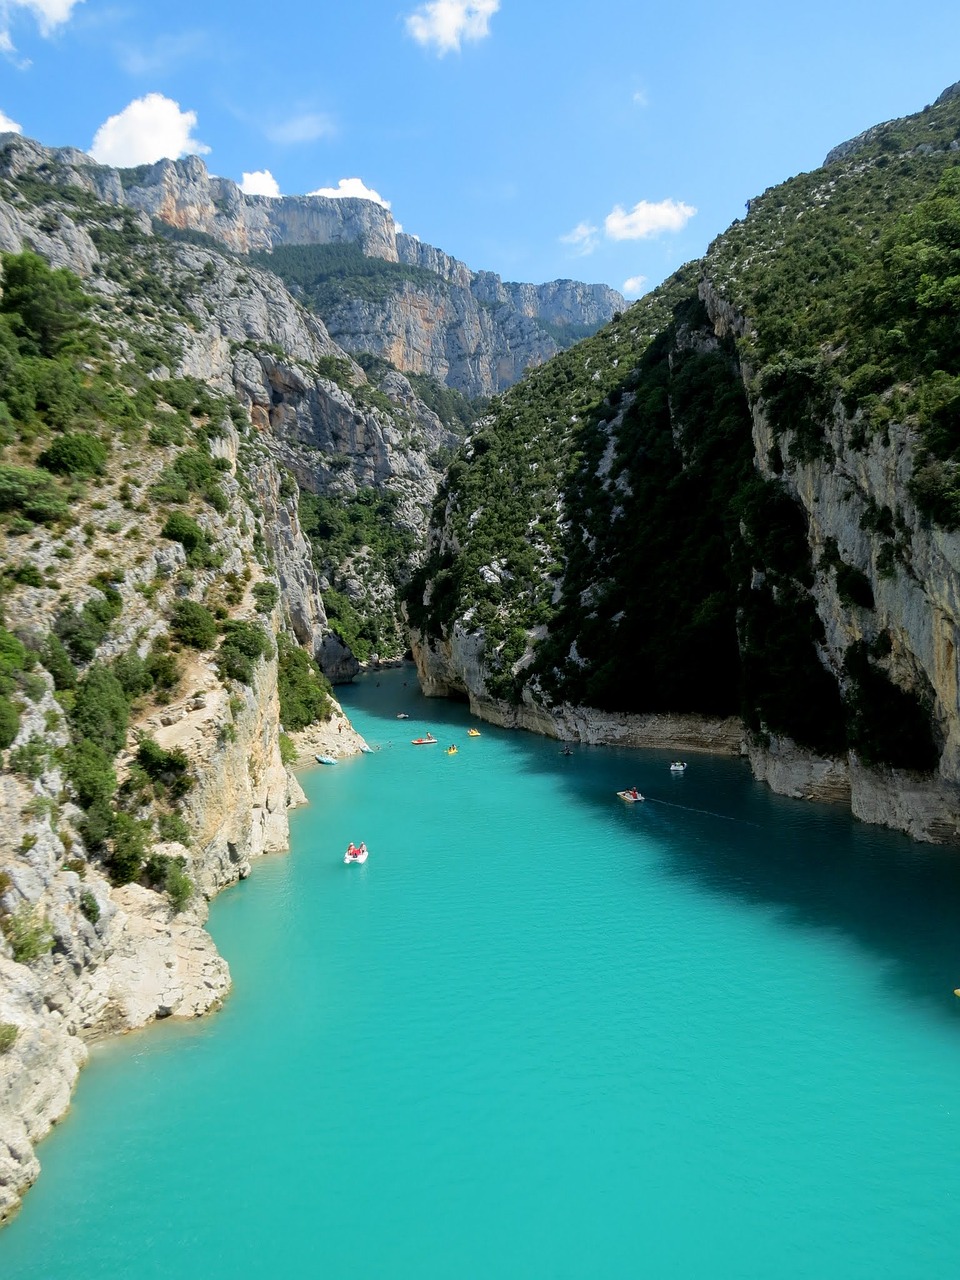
[540, 1033]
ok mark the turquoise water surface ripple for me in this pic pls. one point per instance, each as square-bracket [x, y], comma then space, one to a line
[541, 1033]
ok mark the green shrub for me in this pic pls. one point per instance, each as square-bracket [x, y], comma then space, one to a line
[55, 658]
[266, 595]
[31, 758]
[131, 670]
[172, 827]
[168, 770]
[288, 752]
[8, 1036]
[181, 528]
[34, 494]
[305, 693]
[89, 906]
[90, 770]
[9, 722]
[28, 933]
[242, 645]
[101, 710]
[82, 632]
[77, 453]
[193, 624]
[45, 309]
[129, 848]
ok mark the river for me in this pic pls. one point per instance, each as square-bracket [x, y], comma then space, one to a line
[540, 1033]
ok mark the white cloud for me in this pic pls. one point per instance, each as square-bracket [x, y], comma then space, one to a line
[633, 287]
[584, 238]
[49, 15]
[147, 129]
[646, 219]
[9, 126]
[260, 183]
[351, 188]
[444, 23]
[303, 128]
[640, 98]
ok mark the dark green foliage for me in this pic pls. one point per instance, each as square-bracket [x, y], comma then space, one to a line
[45, 309]
[265, 595]
[304, 690]
[243, 644]
[30, 758]
[90, 770]
[101, 710]
[8, 1036]
[853, 587]
[326, 275]
[887, 725]
[35, 494]
[171, 826]
[452, 407]
[133, 673]
[169, 771]
[9, 722]
[81, 632]
[169, 875]
[76, 454]
[193, 624]
[193, 471]
[89, 906]
[126, 858]
[185, 530]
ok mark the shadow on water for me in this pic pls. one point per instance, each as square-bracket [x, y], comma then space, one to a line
[817, 866]
[726, 834]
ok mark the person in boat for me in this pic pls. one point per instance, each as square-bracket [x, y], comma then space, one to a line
[351, 850]
[362, 850]
[634, 793]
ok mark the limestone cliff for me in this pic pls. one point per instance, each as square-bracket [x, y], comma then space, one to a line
[741, 496]
[465, 328]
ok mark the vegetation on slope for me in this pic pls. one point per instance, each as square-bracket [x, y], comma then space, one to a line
[636, 560]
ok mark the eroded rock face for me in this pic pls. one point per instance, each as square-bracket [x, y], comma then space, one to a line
[471, 329]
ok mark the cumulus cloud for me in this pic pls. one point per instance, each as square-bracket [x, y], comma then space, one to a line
[646, 219]
[303, 128]
[351, 188]
[49, 14]
[633, 287]
[9, 126]
[443, 24]
[260, 183]
[584, 238]
[147, 129]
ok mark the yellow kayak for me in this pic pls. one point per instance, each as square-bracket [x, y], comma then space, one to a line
[451, 751]
[473, 733]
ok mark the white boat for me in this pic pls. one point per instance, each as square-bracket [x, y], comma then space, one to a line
[325, 760]
[678, 766]
[403, 716]
[356, 855]
[631, 796]
[367, 751]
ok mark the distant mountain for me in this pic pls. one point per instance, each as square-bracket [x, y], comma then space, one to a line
[376, 289]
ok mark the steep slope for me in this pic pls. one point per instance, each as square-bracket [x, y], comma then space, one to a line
[741, 497]
[162, 606]
[382, 292]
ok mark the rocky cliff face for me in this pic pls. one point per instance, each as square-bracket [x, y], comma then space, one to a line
[470, 330]
[82, 956]
[777, 426]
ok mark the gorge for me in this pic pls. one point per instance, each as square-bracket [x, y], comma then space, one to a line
[727, 520]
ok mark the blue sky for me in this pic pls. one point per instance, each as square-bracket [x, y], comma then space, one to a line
[605, 141]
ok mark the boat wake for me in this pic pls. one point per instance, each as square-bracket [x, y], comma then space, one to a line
[710, 813]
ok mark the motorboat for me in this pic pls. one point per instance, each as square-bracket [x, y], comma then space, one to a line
[473, 733]
[402, 715]
[355, 853]
[678, 766]
[631, 795]
[325, 760]
[424, 741]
